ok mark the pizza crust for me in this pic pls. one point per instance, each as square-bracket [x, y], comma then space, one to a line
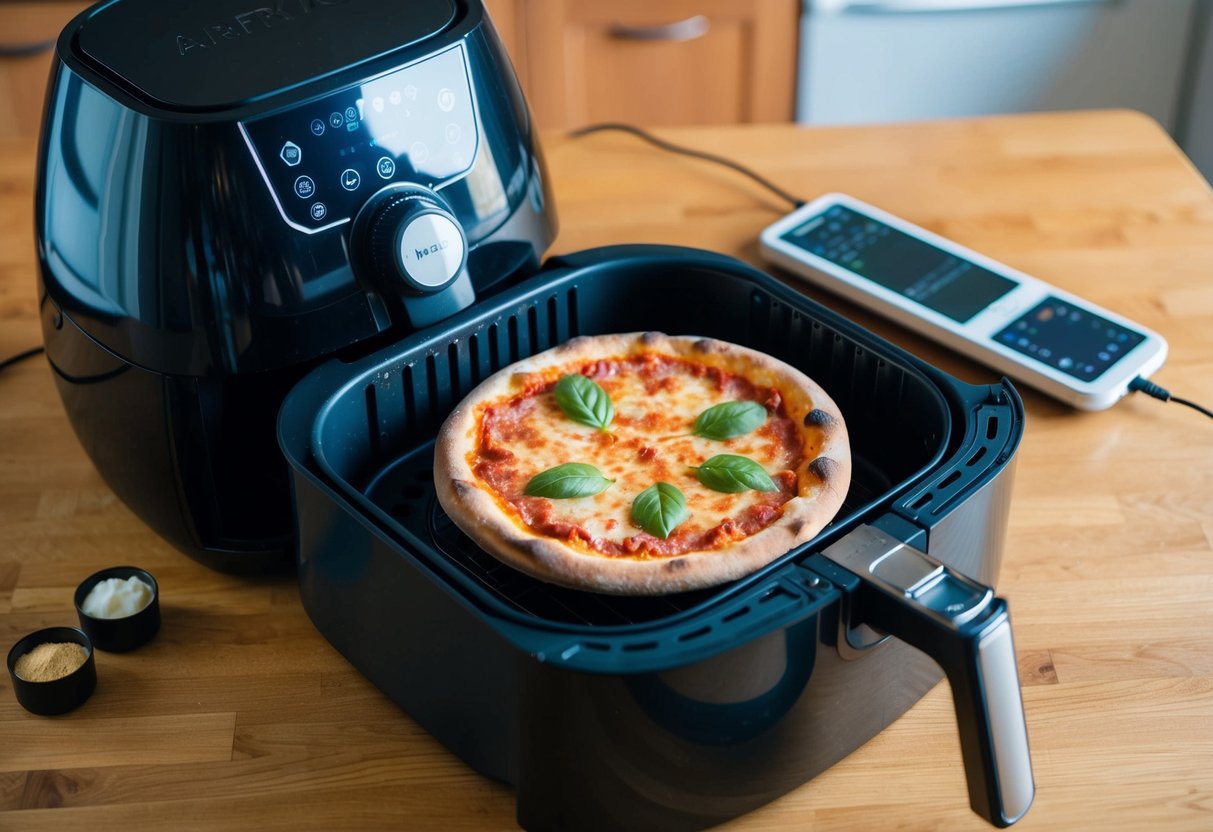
[823, 479]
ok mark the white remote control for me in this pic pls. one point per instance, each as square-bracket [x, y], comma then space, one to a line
[1032, 331]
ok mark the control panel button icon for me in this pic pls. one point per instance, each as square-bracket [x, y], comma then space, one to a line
[452, 133]
[351, 113]
[446, 100]
[304, 187]
[350, 180]
[317, 127]
[418, 153]
[386, 167]
[291, 154]
[318, 210]
[335, 120]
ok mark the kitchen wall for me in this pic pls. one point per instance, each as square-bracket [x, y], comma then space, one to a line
[1197, 127]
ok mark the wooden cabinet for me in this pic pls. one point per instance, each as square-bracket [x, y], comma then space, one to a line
[28, 31]
[653, 62]
[648, 62]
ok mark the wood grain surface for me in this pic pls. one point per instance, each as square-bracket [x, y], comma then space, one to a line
[239, 715]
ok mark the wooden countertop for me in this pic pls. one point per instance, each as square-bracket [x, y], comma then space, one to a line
[239, 715]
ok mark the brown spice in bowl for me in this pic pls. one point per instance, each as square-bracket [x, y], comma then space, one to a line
[50, 661]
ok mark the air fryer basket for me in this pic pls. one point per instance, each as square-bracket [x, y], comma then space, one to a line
[360, 438]
[387, 470]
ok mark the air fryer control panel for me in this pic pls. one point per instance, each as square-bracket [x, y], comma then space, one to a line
[322, 160]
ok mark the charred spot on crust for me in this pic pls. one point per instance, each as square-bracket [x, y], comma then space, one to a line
[706, 345]
[462, 487]
[825, 469]
[676, 565]
[651, 338]
[818, 418]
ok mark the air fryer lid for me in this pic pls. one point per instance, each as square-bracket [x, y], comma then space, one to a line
[213, 54]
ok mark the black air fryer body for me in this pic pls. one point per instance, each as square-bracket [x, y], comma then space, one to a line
[227, 195]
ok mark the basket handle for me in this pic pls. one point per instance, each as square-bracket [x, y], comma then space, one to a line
[960, 624]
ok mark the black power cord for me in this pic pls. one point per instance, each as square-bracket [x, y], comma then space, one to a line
[21, 356]
[1162, 394]
[689, 151]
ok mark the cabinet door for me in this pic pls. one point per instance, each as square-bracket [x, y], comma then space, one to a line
[28, 31]
[507, 17]
[655, 62]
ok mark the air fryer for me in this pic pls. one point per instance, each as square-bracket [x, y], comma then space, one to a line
[228, 195]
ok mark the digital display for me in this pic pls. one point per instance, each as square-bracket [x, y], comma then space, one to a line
[1075, 341]
[937, 279]
[323, 159]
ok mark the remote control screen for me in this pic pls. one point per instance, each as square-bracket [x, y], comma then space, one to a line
[1069, 338]
[937, 279]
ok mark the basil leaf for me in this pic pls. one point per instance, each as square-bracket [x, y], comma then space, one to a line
[724, 421]
[733, 474]
[582, 400]
[659, 509]
[573, 479]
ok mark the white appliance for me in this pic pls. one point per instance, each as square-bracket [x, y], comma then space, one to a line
[867, 61]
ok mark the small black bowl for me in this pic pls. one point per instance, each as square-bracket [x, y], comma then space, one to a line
[57, 696]
[117, 635]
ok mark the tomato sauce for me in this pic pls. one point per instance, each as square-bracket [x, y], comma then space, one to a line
[510, 423]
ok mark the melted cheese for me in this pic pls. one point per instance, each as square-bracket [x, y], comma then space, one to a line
[657, 401]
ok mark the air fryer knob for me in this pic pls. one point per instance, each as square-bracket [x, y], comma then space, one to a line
[407, 244]
[412, 241]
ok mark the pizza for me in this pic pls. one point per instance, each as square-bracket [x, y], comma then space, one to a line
[642, 463]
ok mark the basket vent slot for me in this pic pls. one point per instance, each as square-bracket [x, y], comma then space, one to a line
[512, 327]
[735, 614]
[474, 351]
[694, 634]
[532, 328]
[950, 478]
[553, 321]
[992, 428]
[955, 480]
[409, 382]
[494, 351]
[640, 646]
[452, 358]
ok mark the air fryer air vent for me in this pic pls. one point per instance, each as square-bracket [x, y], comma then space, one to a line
[423, 392]
[991, 444]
